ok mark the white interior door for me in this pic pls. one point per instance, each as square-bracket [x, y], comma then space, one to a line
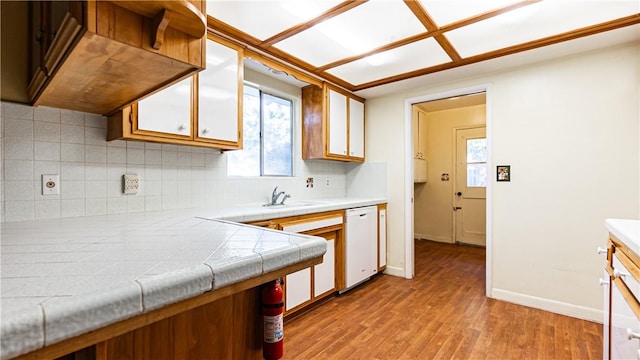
[470, 186]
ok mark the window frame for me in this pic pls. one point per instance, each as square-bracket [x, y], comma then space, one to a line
[292, 137]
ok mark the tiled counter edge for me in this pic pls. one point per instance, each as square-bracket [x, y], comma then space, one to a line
[201, 255]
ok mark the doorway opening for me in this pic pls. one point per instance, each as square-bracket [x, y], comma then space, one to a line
[449, 161]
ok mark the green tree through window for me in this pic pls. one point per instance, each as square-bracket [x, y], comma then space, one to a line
[267, 136]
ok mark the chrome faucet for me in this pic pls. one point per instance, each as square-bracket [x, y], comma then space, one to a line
[286, 196]
[275, 195]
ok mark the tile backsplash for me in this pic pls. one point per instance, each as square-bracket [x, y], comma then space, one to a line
[43, 140]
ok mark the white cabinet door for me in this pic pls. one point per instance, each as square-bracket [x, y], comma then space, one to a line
[167, 111]
[415, 129]
[356, 128]
[419, 170]
[337, 123]
[218, 92]
[324, 273]
[382, 237]
[623, 318]
[422, 135]
[297, 288]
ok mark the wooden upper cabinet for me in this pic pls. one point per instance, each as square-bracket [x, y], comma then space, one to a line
[100, 56]
[333, 124]
[419, 134]
[202, 110]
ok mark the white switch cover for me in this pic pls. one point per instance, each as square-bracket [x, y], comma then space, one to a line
[130, 184]
[50, 184]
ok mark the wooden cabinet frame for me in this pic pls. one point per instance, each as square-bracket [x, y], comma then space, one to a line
[107, 54]
[328, 232]
[316, 124]
[123, 125]
[631, 260]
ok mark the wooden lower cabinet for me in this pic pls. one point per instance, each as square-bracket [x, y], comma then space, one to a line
[312, 284]
[622, 308]
[229, 328]
[309, 285]
[222, 324]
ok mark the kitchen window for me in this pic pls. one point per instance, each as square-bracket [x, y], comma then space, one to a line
[267, 136]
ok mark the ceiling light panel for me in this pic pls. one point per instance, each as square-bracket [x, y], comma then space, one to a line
[536, 21]
[417, 55]
[263, 19]
[445, 12]
[361, 29]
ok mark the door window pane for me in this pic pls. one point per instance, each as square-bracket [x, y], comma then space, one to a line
[477, 162]
[476, 175]
[476, 150]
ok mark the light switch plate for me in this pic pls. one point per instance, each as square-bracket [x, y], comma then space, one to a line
[50, 184]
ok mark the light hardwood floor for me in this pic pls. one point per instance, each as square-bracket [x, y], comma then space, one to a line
[440, 314]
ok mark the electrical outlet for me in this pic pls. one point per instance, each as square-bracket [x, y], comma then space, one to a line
[130, 184]
[50, 184]
[328, 182]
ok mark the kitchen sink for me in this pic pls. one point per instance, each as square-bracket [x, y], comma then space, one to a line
[292, 204]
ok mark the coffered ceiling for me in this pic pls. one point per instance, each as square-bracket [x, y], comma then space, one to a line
[360, 44]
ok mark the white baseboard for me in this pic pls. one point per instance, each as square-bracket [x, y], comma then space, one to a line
[394, 271]
[553, 306]
[443, 239]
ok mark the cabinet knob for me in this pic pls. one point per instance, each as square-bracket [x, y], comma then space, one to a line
[632, 335]
[618, 274]
[603, 282]
[602, 250]
[205, 130]
[182, 127]
[345, 152]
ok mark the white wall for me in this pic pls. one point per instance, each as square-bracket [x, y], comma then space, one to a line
[44, 140]
[570, 130]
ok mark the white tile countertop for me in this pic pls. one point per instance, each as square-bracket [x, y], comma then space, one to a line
[257, 212]
[64, 277]
[627, 231]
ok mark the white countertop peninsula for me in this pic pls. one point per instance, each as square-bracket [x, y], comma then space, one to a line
[65, 277]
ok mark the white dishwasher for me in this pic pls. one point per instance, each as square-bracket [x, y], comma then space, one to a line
[361, 239]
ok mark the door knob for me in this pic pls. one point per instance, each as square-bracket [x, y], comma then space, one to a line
[459, 193]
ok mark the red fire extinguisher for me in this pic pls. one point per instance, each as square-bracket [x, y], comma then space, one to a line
[272, 310]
